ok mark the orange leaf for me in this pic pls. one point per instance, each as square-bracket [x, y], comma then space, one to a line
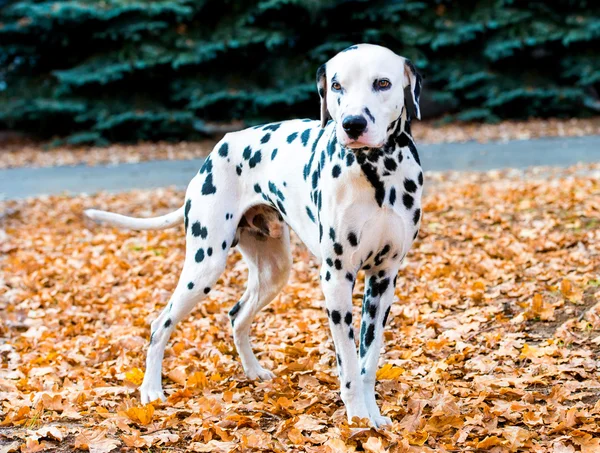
[142, 415]
[135, 376]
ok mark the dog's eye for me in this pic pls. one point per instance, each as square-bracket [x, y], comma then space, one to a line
[382, 84]
[335, 86]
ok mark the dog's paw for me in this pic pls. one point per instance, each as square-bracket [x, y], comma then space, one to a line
[259, 373]
[379, 421]
[148, 395]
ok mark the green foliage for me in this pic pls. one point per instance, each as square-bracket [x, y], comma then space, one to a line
[123, 70]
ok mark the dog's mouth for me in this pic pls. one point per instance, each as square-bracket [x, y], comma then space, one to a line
[359, 144]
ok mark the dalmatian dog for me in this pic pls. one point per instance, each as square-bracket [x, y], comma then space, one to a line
[349, 185]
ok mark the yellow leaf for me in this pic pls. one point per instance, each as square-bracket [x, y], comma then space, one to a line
[142, 415]
[488, 442]
[418, 438]
[197, 380]
[295, 435]
[566, 287]
[389, 371]
[135, 376]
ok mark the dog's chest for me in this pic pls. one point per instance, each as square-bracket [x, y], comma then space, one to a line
[377, 195]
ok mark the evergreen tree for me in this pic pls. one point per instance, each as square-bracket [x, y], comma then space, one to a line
[123, 70]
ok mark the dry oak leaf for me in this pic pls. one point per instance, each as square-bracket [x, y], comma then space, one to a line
[295, 435]
[33, 446]
[95, 441]
[338, 446]
[142, 415]
[418, 438]
[389, 371]
[213, 446]
[374, 445]
[587, 443]
[488, 442]
[50, 431]
[308, 423]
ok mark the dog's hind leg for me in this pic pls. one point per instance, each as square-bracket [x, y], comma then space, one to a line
[194, 283]
[269, 262]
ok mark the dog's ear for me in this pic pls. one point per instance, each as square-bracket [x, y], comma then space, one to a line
[412, 89]
[322, 88]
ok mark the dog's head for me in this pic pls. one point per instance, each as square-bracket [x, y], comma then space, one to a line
[364, 89]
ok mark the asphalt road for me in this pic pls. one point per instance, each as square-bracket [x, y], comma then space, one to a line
[561, 152]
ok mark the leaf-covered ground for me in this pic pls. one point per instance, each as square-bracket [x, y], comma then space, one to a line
[493, 343]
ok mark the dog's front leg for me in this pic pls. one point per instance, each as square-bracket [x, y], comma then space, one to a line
[338, 299]
[378, 298]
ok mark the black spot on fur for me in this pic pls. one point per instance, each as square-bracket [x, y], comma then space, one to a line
[191, 285]
[188, 206]
[236, 308]
[305, 136]
[310, 214]
[272, 127]
[420, 179]
[338, 265]
[349, 277]
[247, 153]
[373, 177]
[327, 276]
[209, 251]
[200, 255]
[368, 113]
[392, 196]
[292, 137]
[339, 360]
[224, 150]
[338, 249]
[363, 371]
[416, 234]
[349, 159]
[410, 185]
[207, 166]
[257, 188]
[208, 188]
[168, 322]
[224, 245]
[352, 239]
[335, 171]
[370, 335]
[273, 154]
[351, 334]
[332, 234]
[348, 384]
[372, 311]
[329, 261]
[255, 159]
[385, 317]
[265, 138]
[206, 290]
[336, 317]
[199, 231]
[348, 318]
[390, 164]
[416, 216]
[238, 170]
[408, 200]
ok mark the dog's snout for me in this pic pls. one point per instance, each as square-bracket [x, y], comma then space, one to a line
[354, 125]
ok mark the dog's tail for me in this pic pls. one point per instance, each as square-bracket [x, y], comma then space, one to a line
[135, 223]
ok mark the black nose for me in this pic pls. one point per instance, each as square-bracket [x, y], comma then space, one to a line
[354, 125]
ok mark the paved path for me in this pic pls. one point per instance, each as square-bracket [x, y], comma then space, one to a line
[562, 152]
